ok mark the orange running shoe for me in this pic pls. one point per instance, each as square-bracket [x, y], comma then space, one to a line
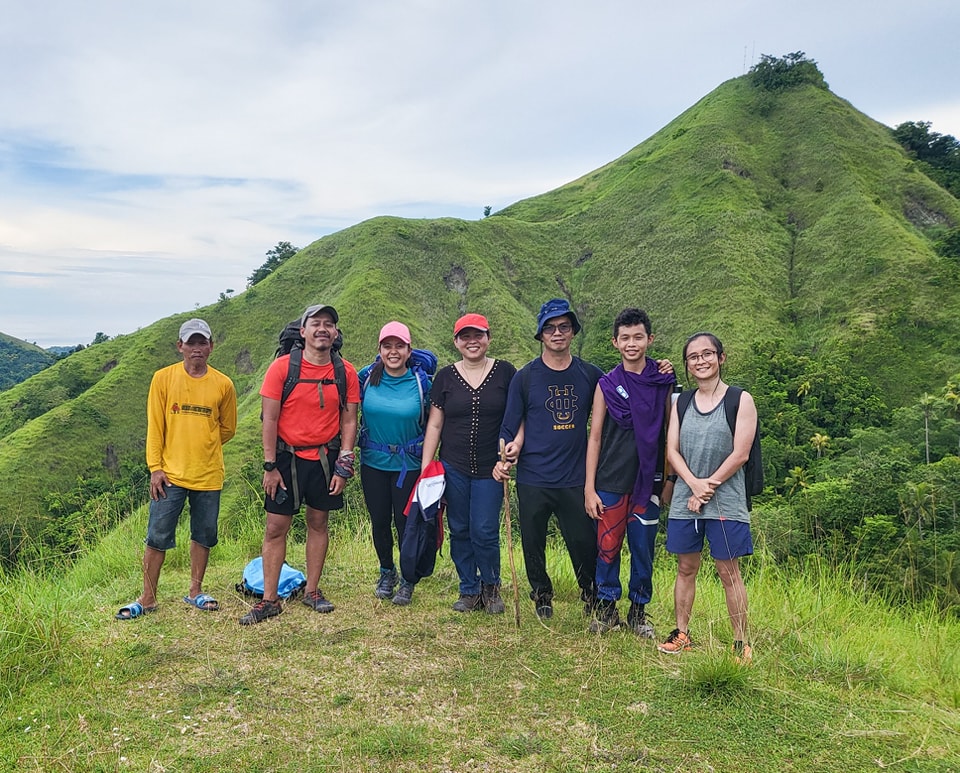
[742, 653]
[677, 641]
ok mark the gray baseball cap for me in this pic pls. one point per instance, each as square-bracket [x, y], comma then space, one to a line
[314, 310]
[194, 326]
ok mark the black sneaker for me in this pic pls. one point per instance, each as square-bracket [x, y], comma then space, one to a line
[589, 599]
[404, 594]
[261, 611]
[543, 604]
[639, 622]
[468, 602]
[605, 617]
[492, 602]
[387, 584]
[318, 602]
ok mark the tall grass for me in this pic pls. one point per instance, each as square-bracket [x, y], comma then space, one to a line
[840, 677]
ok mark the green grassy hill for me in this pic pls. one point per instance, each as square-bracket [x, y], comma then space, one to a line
[19, 360]
[759, 215]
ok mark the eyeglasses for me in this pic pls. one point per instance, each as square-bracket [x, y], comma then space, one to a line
[563, 327]
[706, 356]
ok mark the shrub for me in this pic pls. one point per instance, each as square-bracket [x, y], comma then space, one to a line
[779, 74]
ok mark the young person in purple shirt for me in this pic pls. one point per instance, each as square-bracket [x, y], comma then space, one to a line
[625, 486]
[545, 430]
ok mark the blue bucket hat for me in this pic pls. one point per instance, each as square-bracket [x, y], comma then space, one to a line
[556, 307]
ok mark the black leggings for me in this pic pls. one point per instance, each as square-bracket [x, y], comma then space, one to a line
[385, 503]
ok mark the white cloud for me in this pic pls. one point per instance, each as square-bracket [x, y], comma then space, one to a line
[186, 132]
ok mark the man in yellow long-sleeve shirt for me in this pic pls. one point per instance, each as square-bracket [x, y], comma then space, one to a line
[191, 413]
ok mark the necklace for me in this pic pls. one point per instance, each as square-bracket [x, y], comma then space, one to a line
[470, 375]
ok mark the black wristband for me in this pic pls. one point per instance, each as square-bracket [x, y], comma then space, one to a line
[269, 466]
[672, 478]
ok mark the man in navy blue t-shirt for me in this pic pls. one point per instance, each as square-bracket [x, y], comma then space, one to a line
[545, 430]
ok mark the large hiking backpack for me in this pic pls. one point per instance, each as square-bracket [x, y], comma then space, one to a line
[423, 364]
[291, 342]
[753, 469]
[292, 581]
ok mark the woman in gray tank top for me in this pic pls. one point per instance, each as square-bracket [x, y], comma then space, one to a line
[710, 497]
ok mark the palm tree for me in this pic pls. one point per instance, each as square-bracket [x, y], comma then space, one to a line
[951, 397]
[927, 401]
[819, 442]
[796, 480]
[917, 505]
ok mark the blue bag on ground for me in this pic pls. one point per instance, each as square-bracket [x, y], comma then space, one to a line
[292, 581]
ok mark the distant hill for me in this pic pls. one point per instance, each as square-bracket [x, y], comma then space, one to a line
[19, 360]
[761, 216]
[59, 351]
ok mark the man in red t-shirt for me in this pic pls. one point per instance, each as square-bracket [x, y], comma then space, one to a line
[308, 455]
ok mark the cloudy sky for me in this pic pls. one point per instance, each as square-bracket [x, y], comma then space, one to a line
[151, 153]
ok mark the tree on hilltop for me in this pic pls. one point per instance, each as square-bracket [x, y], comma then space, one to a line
[778, 74]
[275, 256]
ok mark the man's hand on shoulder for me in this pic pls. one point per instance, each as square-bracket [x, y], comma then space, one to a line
[664, 366]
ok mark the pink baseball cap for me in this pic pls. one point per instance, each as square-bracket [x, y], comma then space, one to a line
[397, 330]
[476, 321]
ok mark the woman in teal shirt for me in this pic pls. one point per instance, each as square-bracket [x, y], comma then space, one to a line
[391, 446]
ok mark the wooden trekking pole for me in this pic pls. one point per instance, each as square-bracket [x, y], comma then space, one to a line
[506, 517]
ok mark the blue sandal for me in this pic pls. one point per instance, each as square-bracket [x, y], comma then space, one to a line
[204, 602]
[133, 610]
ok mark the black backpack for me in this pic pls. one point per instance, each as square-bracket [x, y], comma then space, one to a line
[753, 469]
[291, 342]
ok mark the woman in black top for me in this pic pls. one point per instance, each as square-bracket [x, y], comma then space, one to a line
[467, 403]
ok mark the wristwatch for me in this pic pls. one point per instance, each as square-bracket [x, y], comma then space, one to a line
[269, 466]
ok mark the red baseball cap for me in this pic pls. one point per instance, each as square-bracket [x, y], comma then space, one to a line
[476, 321]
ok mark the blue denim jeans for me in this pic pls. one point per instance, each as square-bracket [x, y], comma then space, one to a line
[473, 521]
[165, 513]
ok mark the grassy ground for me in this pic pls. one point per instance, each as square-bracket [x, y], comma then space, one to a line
[839, 681]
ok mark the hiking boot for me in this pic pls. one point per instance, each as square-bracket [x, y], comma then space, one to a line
[543, 604]
[468, 602]
[589, 599]
[678, 641]
[387, 584]
[317, 601]
[742, 653]
[404, 594]
[261, 611]
[639, 623]
[605, 617]
[492, 603]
